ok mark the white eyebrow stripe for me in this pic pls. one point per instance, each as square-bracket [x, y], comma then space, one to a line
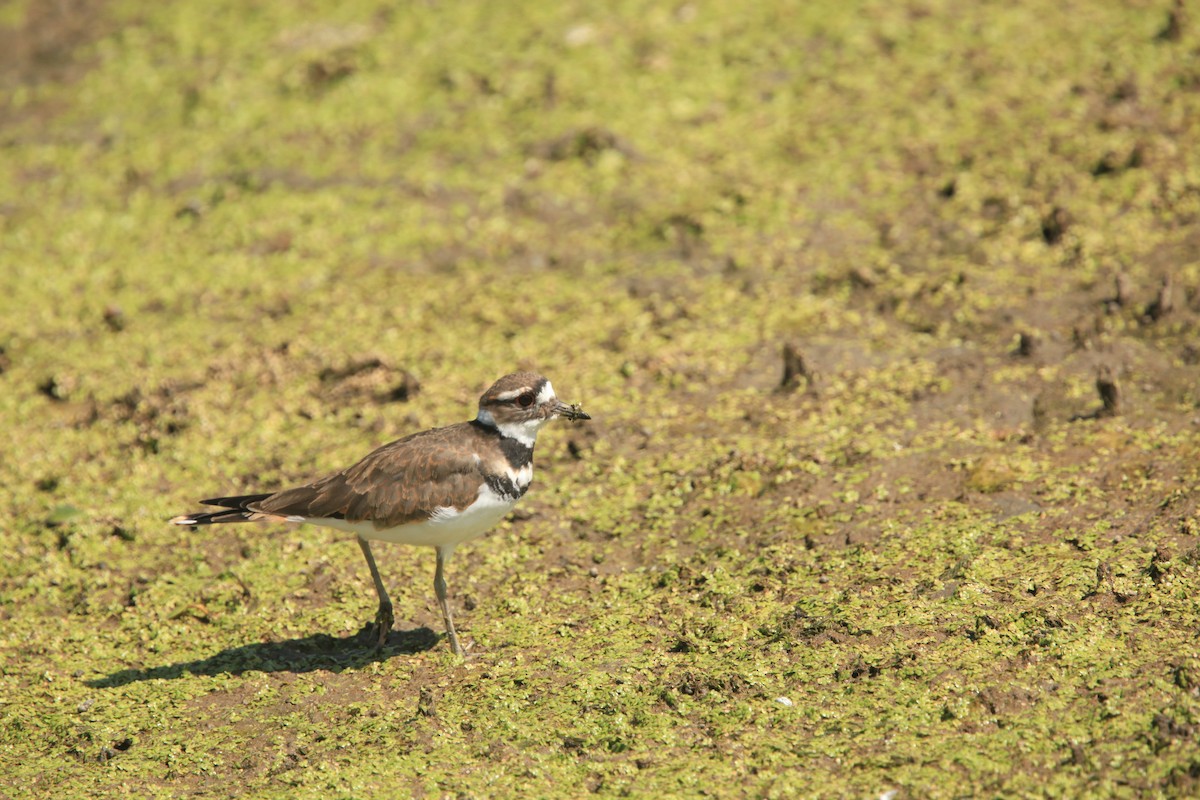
[512, 394]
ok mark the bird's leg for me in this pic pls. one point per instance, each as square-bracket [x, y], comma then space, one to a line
[384, 617]
[439, 588]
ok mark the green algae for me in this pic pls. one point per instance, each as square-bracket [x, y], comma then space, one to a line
[934, 570]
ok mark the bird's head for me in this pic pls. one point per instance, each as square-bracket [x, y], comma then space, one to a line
[518, 405]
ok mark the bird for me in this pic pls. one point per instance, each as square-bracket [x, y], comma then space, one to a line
[438, 488]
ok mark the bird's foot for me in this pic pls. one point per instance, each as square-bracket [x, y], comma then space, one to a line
[455, 647]
[382, 626]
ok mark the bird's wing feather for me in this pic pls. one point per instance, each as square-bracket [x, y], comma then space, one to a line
[404, 481]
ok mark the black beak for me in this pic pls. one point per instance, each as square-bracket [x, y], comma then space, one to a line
[571, 412]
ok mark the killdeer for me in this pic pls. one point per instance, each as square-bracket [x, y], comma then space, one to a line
[438, 488]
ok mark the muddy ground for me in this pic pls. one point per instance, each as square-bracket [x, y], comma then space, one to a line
[887, 316]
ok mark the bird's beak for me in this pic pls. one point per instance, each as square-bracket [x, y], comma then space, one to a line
[571, 412]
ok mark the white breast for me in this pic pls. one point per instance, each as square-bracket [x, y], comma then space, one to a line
[522, 477]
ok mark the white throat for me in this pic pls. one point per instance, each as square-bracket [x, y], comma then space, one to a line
[524, 432]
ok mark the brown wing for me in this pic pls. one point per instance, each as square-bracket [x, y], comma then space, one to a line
[404, 481]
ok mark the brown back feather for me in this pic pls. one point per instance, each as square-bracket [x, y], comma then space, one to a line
[403, 481]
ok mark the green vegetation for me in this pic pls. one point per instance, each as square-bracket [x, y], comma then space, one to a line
[234, 237]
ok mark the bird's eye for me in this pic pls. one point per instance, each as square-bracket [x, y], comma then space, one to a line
[525, 400]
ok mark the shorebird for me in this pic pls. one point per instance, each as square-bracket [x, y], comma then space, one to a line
[438, 488]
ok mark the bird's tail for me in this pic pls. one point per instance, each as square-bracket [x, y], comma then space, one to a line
[233, 509]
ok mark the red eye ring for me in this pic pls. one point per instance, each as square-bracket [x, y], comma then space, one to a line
[525, 400]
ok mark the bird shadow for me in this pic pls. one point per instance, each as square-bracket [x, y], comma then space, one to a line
[307, 654]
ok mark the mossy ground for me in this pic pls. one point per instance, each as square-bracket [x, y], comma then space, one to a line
[234, 236]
